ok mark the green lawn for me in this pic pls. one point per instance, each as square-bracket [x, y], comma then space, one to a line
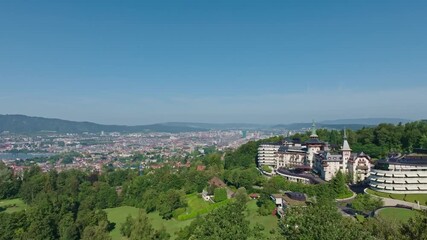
[345, 195]
[198, 206]
[13, 205]
[269, 222]
[399, 214]
[118, 216]
[196, 203]
[422, 198]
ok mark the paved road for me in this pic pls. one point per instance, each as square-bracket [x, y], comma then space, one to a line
[394, 202]
[358, 188]
[346, 211]
[388, 202]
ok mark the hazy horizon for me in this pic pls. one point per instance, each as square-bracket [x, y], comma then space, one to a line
[266, 62]
[316, 121]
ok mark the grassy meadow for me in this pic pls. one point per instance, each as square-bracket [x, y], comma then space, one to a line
[195, 204]
[398, 214]
[118, 216]
[13, 205]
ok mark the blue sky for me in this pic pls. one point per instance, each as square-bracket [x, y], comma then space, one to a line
[137, 62]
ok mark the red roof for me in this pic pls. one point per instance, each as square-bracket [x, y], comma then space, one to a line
[215, 181]
[201, 168]
[254, 195]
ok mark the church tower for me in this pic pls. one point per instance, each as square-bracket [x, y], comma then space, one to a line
[346, 151]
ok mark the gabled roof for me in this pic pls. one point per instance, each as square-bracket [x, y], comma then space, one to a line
[215, 181]
[201, 167]
[362, 154]
[314, 141]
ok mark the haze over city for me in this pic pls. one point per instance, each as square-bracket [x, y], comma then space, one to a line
[139, 62]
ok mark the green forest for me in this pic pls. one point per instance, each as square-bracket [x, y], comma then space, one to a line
[377, 141]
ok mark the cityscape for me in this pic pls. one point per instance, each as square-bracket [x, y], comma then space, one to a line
[213, 120]
[91, 151]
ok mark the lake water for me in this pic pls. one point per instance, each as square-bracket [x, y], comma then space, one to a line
[24, 156]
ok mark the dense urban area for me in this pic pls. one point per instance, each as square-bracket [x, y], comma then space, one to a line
[89, 151]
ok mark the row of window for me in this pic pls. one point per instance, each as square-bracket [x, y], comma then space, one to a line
[398, 183]
[400, 176]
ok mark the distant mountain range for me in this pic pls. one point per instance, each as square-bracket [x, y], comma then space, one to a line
[26, 124]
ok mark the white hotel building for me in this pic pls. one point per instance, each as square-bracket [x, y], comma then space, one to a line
[314, 155]
[267, 154]
[401, 174]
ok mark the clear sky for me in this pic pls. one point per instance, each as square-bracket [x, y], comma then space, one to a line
[138, 62]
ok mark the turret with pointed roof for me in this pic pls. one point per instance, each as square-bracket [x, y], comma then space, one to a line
[346, 152]
[314, 145]
[314, 138]
[345, 145]
[313, 131]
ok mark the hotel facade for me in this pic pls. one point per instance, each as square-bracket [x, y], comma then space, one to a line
[294, 161]
[401, 174]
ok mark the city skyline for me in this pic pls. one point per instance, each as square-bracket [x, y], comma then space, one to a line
[218, 62]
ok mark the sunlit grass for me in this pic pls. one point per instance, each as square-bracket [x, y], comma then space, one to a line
[399, 214]
[13, 205]
[118, 216]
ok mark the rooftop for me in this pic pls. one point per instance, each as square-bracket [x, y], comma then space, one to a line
[419, 157]
[314, 179]
[313, 141]
[215, 181]
[296, 196]
[294, 202]
[291, 149]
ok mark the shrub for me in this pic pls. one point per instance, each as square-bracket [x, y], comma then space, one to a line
[220, 194]
[178, 212]
[266, 168]
[366, 203]
[360, 218]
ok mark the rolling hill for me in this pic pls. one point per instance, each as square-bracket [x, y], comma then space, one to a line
[26, 124]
